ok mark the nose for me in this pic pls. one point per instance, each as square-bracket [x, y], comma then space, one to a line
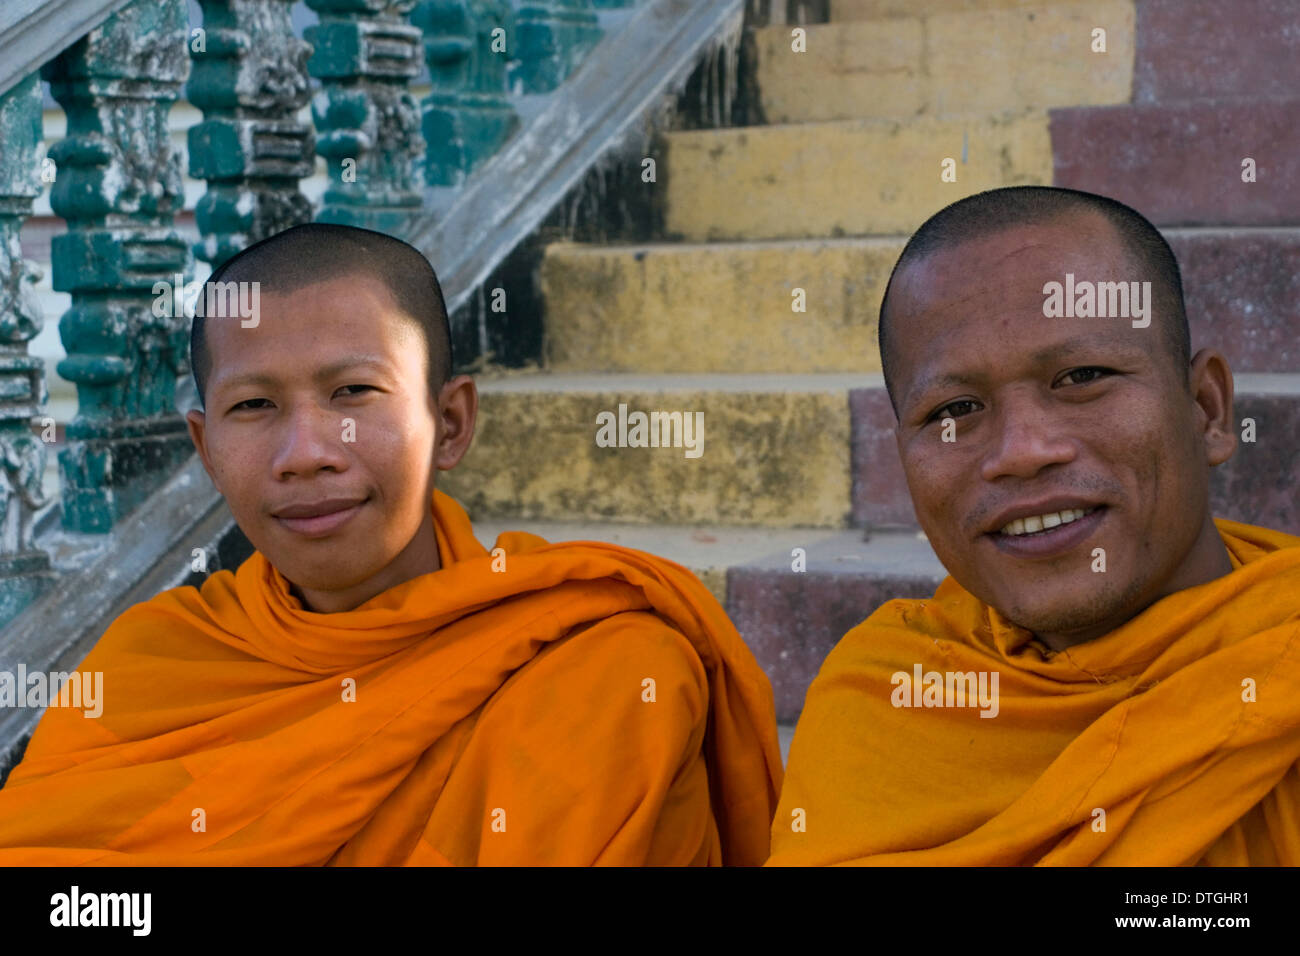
[1028, 438]
[311, 440]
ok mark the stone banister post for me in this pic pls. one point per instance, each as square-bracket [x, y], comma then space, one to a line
[119, 186]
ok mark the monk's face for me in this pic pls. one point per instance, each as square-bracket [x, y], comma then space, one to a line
[324, 406]
[1052, 417]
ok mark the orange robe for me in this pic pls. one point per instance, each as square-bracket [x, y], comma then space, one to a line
[500, 717]
[1151, 724]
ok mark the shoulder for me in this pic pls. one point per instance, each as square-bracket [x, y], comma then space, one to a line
[886, 633]
[180, 623]
[614, 665]
[898, 627]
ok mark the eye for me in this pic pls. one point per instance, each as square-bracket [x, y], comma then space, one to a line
[248, 404]
[952, 409]
[1086, 374]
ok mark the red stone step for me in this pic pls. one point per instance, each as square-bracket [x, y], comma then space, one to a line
[1242, 291]
[1181, 164]
[1209, 49]
[791, 620]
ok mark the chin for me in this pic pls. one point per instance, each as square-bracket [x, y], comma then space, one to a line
[322, 579]
[1054, 621]
[1078, 615]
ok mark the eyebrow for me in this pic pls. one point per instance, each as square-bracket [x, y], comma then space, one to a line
[321, 374]
[1085, 344]
[946, 380]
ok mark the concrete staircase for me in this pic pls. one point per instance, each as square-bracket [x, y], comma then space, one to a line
[796, 513]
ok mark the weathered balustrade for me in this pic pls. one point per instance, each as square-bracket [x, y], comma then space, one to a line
[554, 36]
[24, 569]
[250, 79]
[467, 116]
[119, 188]
[116, 181]
[366, 53]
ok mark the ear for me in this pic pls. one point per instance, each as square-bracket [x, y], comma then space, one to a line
[197, 426]
[1210, 380]
[457, 416]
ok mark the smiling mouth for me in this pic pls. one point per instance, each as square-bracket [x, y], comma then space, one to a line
[318, 525]
[1050, 535]
[1041, 524]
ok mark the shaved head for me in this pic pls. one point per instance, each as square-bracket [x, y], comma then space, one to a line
[998, 210]
[318, 252]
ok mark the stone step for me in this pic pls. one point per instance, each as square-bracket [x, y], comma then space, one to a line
[1249, 49]
[1242, 292]
[707, 307]
[711, 552]
[851, 177]
[778, 450]
[1256, 485]
[813, 451]
[785, 736]
[848, 10]
[964, 60]
[1181, 164]
[775, 450]
[789, 618]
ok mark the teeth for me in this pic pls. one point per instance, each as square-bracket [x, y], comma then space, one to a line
[1038, 523]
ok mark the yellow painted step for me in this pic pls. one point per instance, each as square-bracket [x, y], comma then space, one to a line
[709, 551]
[775, 450]
[969, 61]
[716, 307]
[842, 10]
[852, 177]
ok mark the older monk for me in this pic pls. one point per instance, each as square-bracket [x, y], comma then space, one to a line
[1109, 675]
[373, 686]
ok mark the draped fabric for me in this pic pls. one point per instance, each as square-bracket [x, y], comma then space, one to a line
[576, 703]
[1173, 740]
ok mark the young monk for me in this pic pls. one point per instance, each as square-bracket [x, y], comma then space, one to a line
[1109, 676]
[373, 686]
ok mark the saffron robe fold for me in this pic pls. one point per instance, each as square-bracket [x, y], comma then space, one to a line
[1152, 725]
[500, 717]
